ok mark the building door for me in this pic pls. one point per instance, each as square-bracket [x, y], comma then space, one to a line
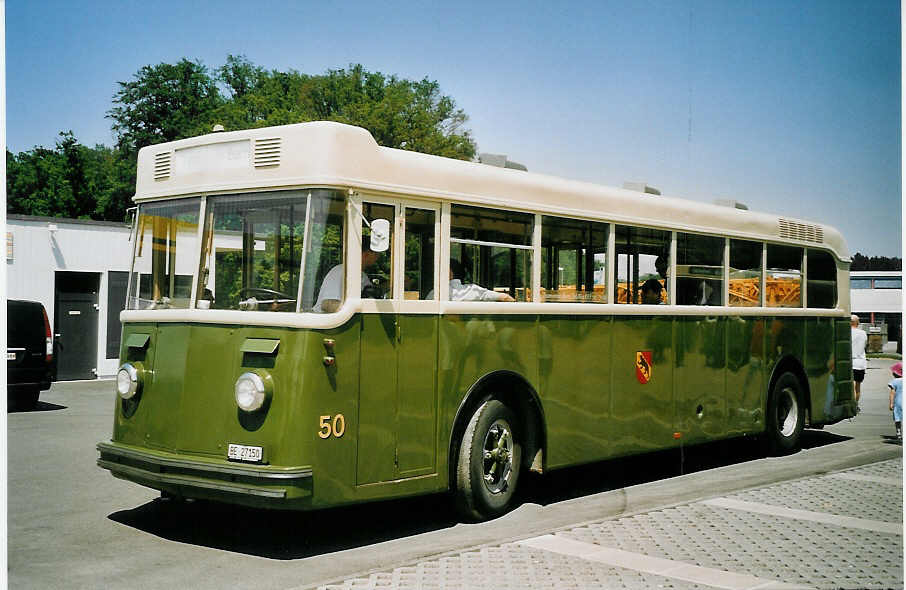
[76, 324]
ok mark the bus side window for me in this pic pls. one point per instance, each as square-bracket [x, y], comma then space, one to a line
[783, 278]
[745, 273]
[573, 260]
[419, 254]
[377, 267]
[821, 275]
[643, 263]
[699, 270]
[491, 251]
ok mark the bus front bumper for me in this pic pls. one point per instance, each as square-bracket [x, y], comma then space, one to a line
[263, 486]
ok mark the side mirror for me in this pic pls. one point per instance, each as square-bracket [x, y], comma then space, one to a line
[380, 235]
[129, 220]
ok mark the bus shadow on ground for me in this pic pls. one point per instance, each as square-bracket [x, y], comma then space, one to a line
[288, 535]
[585, 480]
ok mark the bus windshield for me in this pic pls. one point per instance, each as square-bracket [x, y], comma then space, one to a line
[165, 250]
[254, 249]
[256, 246]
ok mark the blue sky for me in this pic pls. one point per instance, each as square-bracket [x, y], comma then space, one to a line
[791, 107]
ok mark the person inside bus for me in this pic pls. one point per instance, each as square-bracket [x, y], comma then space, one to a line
[661, 265]
[331, 293]
[651, 292]
[696, 292]
[460, 291]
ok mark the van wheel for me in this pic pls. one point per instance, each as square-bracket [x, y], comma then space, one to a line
[490, 457]
[785, 416]
[26, 399]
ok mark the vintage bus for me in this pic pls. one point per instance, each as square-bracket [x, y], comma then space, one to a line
[314, 320]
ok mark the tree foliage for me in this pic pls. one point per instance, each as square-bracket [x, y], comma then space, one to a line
[166, 102]
[163, 103]
[71, 180]
[862, 262]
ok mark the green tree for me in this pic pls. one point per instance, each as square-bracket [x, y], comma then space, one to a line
[163, 103]
[862, 262]
[399, 113]
[36, 183]
[71, 180]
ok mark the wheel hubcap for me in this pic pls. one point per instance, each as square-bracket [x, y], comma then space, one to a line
[787, 412]
[498, 457]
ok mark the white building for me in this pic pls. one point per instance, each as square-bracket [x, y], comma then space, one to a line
[876, 296]
[79, 270]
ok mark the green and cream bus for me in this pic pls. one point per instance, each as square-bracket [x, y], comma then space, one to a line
[314, 320]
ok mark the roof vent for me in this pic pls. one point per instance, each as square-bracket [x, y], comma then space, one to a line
[731, 203]
[641, 187]
[804, 232]
[501, 161]
[267, 152]
[162, 165]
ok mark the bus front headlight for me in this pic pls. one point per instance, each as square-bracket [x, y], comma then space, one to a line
[253, 391]
[128, 380]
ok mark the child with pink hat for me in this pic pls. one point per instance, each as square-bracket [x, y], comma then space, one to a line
[896, 397]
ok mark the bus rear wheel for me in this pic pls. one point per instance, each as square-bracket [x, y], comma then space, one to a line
[785, 416]
[489, 462]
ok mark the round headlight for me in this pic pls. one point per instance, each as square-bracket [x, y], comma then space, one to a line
[128, 381]
[251, 392]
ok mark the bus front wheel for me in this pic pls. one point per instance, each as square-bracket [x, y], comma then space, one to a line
[785, 416]
[489, 461]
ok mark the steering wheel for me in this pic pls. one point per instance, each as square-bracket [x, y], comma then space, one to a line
[249, 291]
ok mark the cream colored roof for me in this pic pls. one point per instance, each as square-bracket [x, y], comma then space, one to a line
[331, 154]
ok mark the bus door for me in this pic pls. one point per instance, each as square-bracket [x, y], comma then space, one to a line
[397, 394]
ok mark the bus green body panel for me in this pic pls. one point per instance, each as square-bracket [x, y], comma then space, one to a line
[398, 382]
[397, 428]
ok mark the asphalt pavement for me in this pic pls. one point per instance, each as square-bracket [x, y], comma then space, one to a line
[718, 515]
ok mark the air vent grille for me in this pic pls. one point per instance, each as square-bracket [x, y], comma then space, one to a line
[162, 165]
[804, 232]
[267, 152]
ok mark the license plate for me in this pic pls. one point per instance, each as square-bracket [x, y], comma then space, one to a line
[244, 453]
[10, 356]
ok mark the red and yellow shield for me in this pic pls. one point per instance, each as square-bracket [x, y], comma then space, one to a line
[643, 366]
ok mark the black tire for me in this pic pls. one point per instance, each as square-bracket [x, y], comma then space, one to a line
[785, 416]
[25, 399]
[490, 458]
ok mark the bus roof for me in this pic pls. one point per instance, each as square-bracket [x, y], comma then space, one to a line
[332, 154]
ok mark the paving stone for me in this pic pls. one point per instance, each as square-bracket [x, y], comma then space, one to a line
[766, 546]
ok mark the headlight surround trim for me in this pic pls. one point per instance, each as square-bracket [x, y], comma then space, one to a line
[253, 390]
[129, 380]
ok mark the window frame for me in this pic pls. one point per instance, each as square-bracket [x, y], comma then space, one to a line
[444, 211]
[534, 276]
[356, 201]
[606, 227]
